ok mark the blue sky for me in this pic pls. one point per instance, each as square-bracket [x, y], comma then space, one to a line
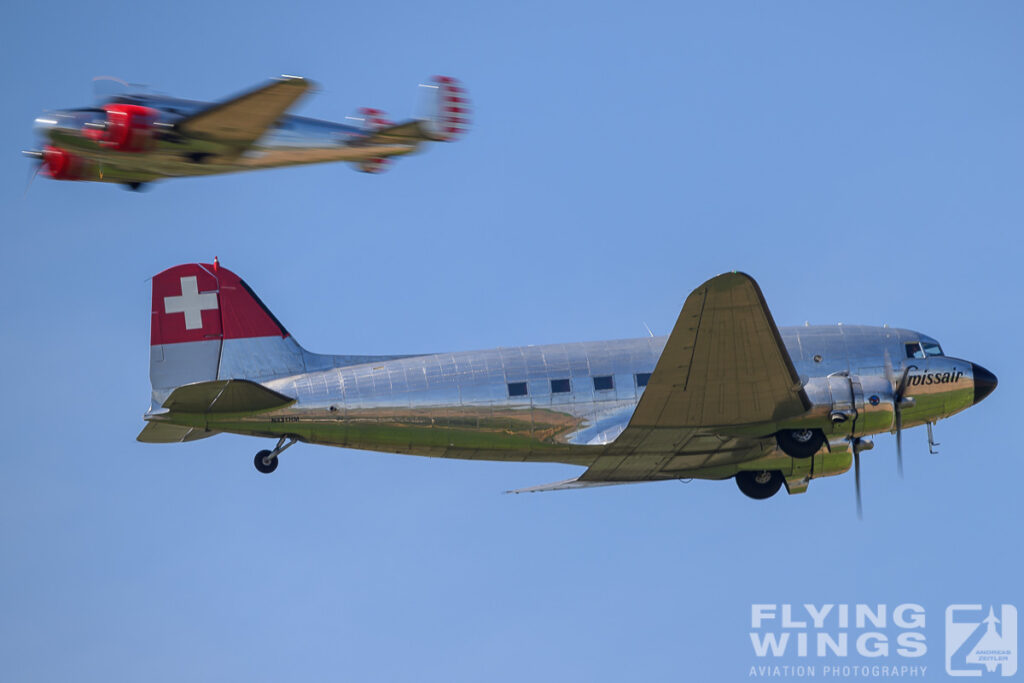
[864, 163]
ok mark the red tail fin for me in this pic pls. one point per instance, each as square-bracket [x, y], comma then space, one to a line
[201, 302]
[207, 324]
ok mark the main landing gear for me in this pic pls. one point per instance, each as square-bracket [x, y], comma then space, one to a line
[266, 461]
[759, 485]
[800, 443]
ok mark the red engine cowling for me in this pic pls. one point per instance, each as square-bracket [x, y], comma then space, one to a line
[128, 128]
[61, 164]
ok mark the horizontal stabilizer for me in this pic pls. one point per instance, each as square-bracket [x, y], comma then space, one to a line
[161, 432]
[225, 396]
[568, 484]
[408, 133]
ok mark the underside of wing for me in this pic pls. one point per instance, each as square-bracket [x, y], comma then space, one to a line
[566, 485]
[242, 120]
[690, 456]
[673, 454]
[724, 366]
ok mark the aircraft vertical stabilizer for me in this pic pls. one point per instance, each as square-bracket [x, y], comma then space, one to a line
[207, 324]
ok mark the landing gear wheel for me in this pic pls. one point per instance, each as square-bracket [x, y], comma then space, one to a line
[759, 485]
[262, 465]
[800, 443]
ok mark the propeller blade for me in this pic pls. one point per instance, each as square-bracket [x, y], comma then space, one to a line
[39, 157]
[31, 180]
[899, 441]
[897, 400]
[856, 474]
[898, 393]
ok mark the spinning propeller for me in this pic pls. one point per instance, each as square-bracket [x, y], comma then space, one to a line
[899, 388]
[855, 447]
[40, 158]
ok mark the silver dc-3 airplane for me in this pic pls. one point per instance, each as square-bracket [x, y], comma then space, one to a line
[726, 395]
[136, 138]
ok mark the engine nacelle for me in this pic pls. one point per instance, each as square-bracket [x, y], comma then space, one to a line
[378, 165]
[128, 128]
[851, 405]
[61, 164]
[373, 120]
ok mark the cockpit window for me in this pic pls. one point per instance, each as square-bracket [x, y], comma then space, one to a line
[923, 349]
[914, 350]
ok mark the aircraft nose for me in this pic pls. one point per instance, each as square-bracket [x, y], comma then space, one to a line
[984, 382]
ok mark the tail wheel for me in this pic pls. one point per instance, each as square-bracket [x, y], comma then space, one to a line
[800, 443]
[759, 485]
[263, 464]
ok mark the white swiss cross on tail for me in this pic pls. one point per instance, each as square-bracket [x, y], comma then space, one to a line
[191, 303]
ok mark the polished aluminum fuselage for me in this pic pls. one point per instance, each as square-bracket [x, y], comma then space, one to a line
[459, 404]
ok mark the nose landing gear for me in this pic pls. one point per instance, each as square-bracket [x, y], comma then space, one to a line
[266, 461]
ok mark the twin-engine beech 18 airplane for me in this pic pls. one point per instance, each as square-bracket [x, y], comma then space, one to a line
[136, 138]
[726, 395]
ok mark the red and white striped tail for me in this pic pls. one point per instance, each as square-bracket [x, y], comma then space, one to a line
[451, 120]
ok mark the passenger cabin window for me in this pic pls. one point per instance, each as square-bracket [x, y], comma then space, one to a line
[642, 378]
[516, 389]
[603, 383]
[560, 386]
